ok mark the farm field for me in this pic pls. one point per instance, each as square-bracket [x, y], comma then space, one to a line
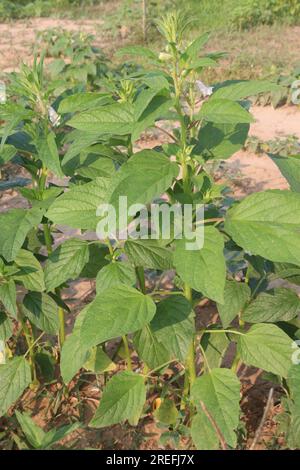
[143, 344]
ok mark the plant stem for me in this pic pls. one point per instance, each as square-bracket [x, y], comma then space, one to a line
[127, 352]
[204, 357]
[61, 322]
[141, 278]
[166, 132]
[47, 237]
[235, 363]
[110, 248]
[223, 331]
[190, 364]
[30, 345]
[61, 319]
[60, 311]
[33, 344]
[190, 374]
[165, 292]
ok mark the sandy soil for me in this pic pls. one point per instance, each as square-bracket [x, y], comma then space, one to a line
[258, 172]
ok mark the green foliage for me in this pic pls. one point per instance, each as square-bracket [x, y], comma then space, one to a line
[251, 13]
[10, 9]
[78, 142]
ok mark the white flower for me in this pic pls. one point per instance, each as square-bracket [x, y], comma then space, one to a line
[205, 90]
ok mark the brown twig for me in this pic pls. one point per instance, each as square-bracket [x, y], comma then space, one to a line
[263, 419]
[166, 132]
[215, 426]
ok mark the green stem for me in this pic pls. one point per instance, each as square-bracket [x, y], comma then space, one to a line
[47, 237]
[235, 363]
[30, 345]
[204, 357]
[43, 179]
[141, 278]
[110, 247]
[190, 374]
[127, 352]
[33, 344]
[165, 292]
[190, 363]
[60, 311]
[223, 331]
[61, 323]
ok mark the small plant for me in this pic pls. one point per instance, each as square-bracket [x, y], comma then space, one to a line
[286, 94]
[36, 437]
[158, 352]
[280, 146]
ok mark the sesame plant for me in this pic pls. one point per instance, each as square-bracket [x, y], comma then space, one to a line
[151, 346]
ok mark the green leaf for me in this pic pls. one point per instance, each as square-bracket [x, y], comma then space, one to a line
[33, 433]
[149, 254]
[222, 111]
[267, 224]
[115, 312]
[82, 101]
[15, 376]
[48, 153]
[114, 274]
[15, 225]
[173, 325]
[137, 51]
[6, 327]
[196, 45]
[41, 310]
[215, 346]
[7, 153]
[294, 384]
[293, 436]
[147, 174]
[66, 262]
[267, 347]
[143, 101]
[97, 259]
[78, 142]
[167, 412]
[221, 141]
[290, 168]
[8, 297]
[99, 362]
[158, 106]
[123, 399]
[203, 434]
[73, 355]
[30, 271]
[115, 119]
[77, 207]
[56, 435]
[200, 63]
[203, 270]
[243, 89]
[219, 390]
[236, 295]
[150, 349]
[96, 167]
[277, 305]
